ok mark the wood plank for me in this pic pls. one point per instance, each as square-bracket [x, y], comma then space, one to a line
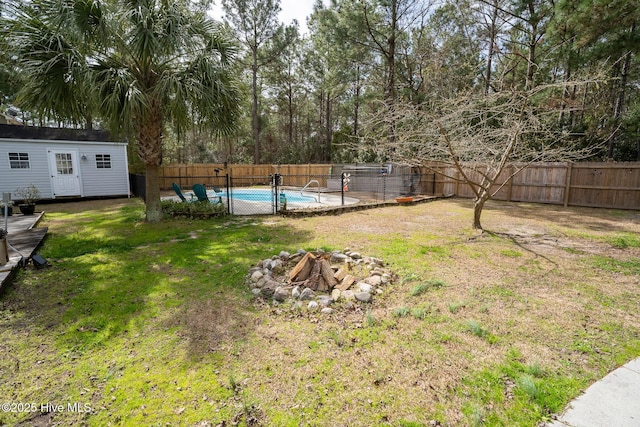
[346, 282]
[322, 285]
[341, 274]
[327, 274]
[303, 268]
[313, 282]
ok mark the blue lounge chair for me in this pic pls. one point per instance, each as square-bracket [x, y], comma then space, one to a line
[201, 193]
[178, 191]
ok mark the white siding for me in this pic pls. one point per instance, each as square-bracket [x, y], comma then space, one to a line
[37, 174]
[94, 182]
[104, 182]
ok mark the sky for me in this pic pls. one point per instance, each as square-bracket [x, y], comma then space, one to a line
[290, 10]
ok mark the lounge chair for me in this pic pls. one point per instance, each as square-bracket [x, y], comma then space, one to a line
[201, 193]
[178, 191]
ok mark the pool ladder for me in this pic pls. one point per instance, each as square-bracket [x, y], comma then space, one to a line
[308, 184]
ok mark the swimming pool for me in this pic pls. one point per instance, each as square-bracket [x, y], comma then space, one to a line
[266, 195]
[261, 201]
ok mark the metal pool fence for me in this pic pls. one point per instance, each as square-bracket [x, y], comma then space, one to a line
[270, 194]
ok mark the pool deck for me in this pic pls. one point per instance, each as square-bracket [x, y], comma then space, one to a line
[23, 240]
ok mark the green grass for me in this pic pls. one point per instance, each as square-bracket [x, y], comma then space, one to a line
[528, 385]
[629, 268]
[420, 312]
[117, 286]
[438, 252]
[618, 240]
[370, 319]
[511, 253]
[523, 396]
[476, 329]
[455, 307]
[624, 241]
[154, 324]
[422, 288]
[402, 311]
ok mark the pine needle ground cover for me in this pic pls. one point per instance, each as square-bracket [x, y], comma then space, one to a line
[153, 323]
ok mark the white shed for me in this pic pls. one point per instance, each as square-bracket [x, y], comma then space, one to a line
[62, 162]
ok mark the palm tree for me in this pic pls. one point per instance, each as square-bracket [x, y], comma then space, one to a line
[139, 65]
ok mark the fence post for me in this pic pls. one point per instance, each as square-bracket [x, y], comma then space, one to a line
[228, 188]
[342, 187]
[567, 185]
[510, 183]
[433, 187]
[384, 188]
[276, 181]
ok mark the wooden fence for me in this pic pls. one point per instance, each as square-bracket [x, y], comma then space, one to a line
[605, 185]
[187, 175]
[602, 185]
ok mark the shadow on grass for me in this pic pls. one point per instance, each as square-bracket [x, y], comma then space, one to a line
[183, 277]
[596, 219]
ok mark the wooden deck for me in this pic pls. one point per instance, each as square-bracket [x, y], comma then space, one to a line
[23, 239]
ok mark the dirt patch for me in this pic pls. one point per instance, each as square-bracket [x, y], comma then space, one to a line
[214, 324]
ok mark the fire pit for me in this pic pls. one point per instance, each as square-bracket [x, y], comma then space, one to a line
[319, 278]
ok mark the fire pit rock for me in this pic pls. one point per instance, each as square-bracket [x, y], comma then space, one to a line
[319, 278]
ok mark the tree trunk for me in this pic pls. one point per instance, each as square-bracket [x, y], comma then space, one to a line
[88, 122]
[619, 105]
[326, 156]
[531, 59]
[566, 93]
[149, 134]
[152, 184]
[478, 205]
[391, 57]
[356, 103]
[254, 110]
[290, 106]
[492, 42]
[533, 41]
[391, 84]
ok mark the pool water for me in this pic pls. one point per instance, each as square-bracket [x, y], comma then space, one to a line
[266, 195]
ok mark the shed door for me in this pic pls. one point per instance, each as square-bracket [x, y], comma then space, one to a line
[65, 174]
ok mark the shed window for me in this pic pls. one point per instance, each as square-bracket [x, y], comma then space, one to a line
[19, 160]
[103, 161]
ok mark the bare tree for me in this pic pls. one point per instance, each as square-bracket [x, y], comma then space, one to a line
[477, 135]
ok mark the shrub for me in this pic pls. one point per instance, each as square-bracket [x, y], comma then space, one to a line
[29, 195]
[193, 210]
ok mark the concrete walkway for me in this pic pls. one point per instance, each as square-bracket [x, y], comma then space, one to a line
[23, 240]
[614, 401]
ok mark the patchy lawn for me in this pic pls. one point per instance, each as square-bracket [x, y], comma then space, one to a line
[148, 324]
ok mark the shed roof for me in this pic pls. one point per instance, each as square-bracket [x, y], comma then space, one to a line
[53, 134]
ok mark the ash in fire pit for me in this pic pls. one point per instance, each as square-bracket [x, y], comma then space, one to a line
[319, 277]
